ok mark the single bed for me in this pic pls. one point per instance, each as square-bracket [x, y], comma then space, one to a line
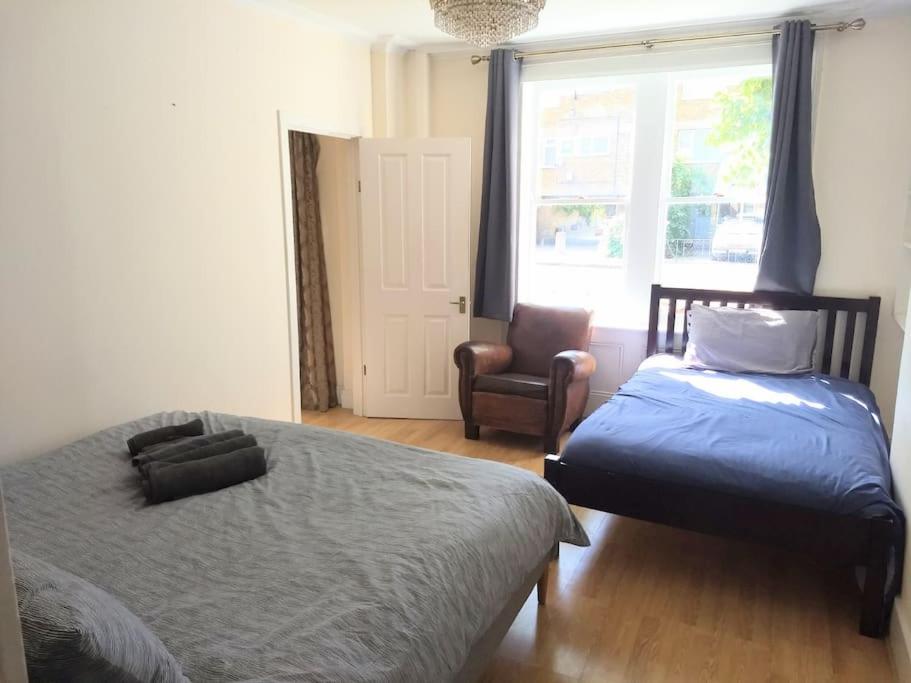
[353, 559]
[799, 461]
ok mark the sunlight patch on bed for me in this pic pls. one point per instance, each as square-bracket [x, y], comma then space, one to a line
[740, 389]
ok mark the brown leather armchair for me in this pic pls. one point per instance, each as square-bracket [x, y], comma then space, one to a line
[536, 383]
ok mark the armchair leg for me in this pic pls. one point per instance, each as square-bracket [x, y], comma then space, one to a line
[472, 431]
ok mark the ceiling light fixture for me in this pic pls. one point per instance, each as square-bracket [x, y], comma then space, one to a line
[486, 22]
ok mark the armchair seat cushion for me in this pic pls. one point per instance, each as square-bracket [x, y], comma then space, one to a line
[513, 384]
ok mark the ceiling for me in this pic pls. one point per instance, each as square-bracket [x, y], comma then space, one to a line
[411, 21]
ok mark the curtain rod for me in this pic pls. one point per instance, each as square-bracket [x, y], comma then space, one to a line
[855, 25]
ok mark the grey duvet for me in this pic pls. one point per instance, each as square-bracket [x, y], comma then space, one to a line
[352, 559]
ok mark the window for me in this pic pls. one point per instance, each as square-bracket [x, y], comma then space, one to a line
[717, 163]
[652, 177]
[579, 205]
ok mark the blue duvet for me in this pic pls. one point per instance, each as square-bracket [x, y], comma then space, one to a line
[809, 440]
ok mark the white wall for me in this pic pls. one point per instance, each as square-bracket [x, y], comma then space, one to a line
[862, 171]
[862, 151]
[387, 65]
[338, 197]
[12, 660]
[900, 634]
[142, 265]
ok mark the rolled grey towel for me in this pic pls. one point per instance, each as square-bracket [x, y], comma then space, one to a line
[187, 445]
[156, 436]
[200, 453]
[202, 476]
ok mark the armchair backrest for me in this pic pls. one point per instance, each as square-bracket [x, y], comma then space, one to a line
[538, 333]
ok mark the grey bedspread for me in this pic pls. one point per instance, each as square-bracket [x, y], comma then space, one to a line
[353, 559]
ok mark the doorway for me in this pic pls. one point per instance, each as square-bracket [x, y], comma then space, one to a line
[397, 266]
[336, 180]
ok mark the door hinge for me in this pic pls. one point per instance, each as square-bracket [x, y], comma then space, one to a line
[358, 185]
[365, 369]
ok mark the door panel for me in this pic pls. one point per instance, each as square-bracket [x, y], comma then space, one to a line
[415, 199]
[395, 347]
[393, 226]
[436, 360]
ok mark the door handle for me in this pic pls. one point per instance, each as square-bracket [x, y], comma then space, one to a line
[461, 303]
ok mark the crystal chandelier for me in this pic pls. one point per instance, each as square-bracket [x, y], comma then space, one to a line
[486, 22]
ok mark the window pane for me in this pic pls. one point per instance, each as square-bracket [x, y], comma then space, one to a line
[587, 286]
[580, 233]
[722, 124]
[594, 124]
[713, 246]
[550, 154]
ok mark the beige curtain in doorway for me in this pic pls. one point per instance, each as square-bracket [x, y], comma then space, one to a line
[317, 353]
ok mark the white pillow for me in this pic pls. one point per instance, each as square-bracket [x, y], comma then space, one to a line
[751, 340]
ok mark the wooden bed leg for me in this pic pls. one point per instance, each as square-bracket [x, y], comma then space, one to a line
[542, 585]
[551, 444]
[875, 610]
[472, 431]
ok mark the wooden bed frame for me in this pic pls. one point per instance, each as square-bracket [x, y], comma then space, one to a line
[832, 538]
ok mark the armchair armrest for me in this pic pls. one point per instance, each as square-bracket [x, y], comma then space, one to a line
[482, 358]
[572, 366]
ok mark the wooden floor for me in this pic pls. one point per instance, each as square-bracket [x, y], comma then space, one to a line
[650, 603]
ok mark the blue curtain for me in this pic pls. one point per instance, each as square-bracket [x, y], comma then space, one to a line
[495, 270]
[791, 244]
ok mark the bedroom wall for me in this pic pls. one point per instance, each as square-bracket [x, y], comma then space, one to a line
[338, 207]
[862, 170]
[900, 631]
[143, 263]
[12, 660]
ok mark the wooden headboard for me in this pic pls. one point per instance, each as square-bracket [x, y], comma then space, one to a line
[846, 334]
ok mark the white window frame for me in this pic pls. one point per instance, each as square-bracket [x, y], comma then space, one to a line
[644, 233]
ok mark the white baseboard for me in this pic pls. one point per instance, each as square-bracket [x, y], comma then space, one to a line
[898, 646]
[595, 399]
[344, 398]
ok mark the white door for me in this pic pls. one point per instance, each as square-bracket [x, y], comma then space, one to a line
[415, 203]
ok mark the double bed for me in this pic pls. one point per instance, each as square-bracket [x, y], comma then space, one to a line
[799, 460]
[352, 559]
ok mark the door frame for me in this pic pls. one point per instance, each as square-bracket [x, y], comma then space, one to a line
[288, 122]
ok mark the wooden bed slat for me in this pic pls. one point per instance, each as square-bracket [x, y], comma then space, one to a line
[866, 354]
[847, 351]
[686, 324]
[671, 325]
[831, 319]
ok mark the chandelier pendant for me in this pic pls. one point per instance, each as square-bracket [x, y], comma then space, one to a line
[485, 23]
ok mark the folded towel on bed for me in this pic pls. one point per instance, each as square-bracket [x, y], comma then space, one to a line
[199, 453]
[163, 434]
[202, 476]
[188, 445]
